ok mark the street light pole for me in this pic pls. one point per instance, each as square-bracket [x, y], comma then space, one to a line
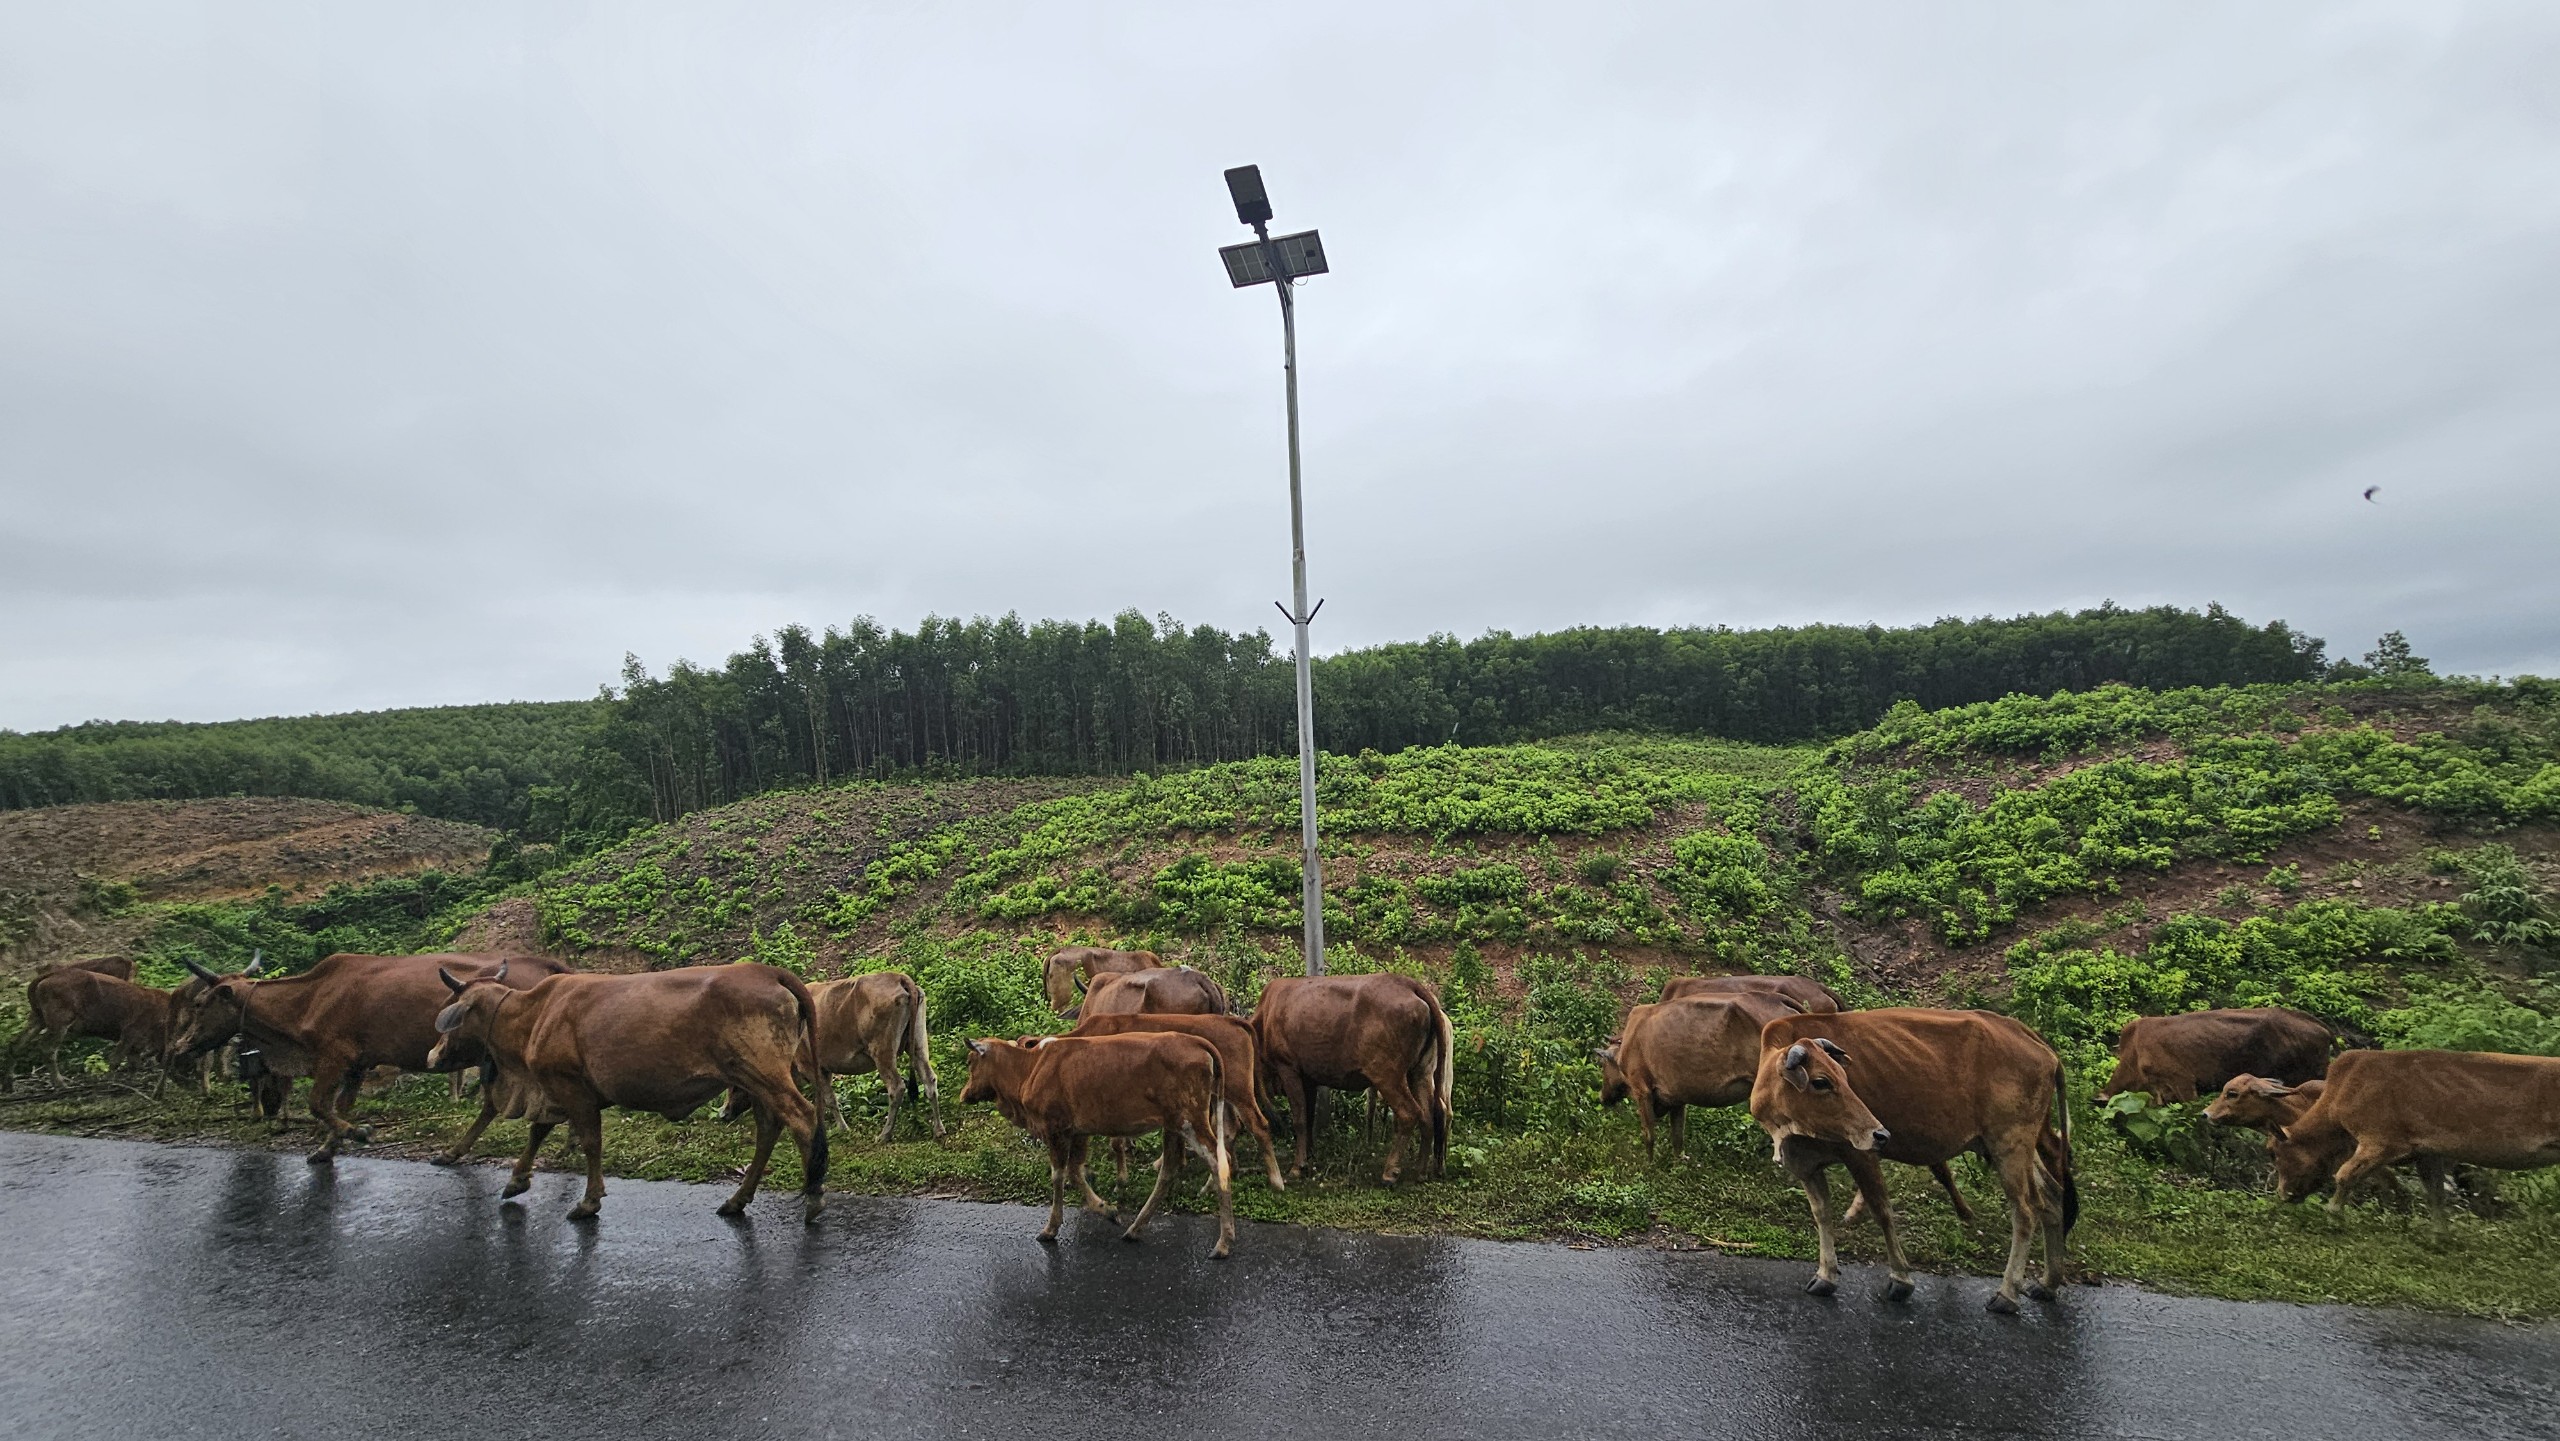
[1280, 262]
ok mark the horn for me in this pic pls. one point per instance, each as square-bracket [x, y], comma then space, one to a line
[450, 983]
[501, 973]
[1792, 1066]
[257, 964]
[199, 970]
[1837, 1054]
[977, 1048]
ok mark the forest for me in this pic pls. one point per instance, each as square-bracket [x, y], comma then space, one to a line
[1006, 697]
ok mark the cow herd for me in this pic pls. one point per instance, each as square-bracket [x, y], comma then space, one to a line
[1157, 1050]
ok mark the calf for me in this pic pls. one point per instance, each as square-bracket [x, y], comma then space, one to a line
[338, 1020]
[1811, 997]
[1930, 1086]
[2259, 1104]
[662, 1041]
[1073, 968]
[1168, 990]
[864, 1022]
[1355, 1033]
[83, 1000]
[1239, 1062]
[1699, 1050]
[2434, 1108]
[1071, 1088]
[2178, 1058]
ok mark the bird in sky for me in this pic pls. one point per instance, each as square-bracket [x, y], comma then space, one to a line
[2369, 492]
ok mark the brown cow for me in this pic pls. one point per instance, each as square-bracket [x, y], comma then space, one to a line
[2380, 1108]
[79, 1000]
[1353, 1033]
[662, 1041]
[120, 967]
[340, 1019]
[2178, 1058]
[863, 1023]
[1239, 1060]
[1811, 997]
[1930, 1086]
[1165, 991]
[1071, 1088]
[2260, 1104]
[1075, 968]
[1704, 1050]
[1699, 1050]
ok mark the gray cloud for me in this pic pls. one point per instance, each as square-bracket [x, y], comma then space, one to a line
[368, 357]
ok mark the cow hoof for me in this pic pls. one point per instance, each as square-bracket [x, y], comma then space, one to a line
[322, 1157]
[514, 1189]
[1048, 1238]
[2039, 1291]
[809, 1216]
[1821, 1286]
[732, 1209]
[584, 1211]
[1897, 1289]
[2001, 1304]
[1129, 1235]
[445, 1158]
[1220, 1253]
[361, 1135]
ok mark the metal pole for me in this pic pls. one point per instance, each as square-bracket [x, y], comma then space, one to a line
[1310, 863]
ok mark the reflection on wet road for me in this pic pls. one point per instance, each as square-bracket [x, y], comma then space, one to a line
[156, 1291]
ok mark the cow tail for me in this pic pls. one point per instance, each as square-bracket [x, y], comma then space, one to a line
[808, 1026]
[1444, 1084]
[2057, 1155]
[1219, 1121]
[920, 1078]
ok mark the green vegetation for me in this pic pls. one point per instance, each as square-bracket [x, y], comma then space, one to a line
[504, 766]
[2378, 853]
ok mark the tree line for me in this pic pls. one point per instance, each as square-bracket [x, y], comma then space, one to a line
[1002, 696]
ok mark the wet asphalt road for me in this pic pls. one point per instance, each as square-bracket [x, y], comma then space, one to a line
[152, 1291]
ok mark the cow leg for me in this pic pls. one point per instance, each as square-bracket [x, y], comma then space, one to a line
[586, 1122]
[329, 1077]
[1078, 1150]
[2368, 1158]
[1221, 1175]
[1295, 1090]
[1058, 1169]
[1867, 1173]
[1644, 1123]
[2019, 1181]
[1168, 1162]
[768, 1130]
[453, 1154]
[1947, 1183]
[1812, 1172]
[2432, 1171]
[1120, 1155]
[1679, 1130]
[522, 1179]
[1409, 1111]
[1261, 1129]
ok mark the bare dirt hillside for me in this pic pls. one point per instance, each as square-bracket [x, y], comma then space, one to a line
[58, 865]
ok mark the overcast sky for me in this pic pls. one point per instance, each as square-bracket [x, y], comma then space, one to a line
[358, 356]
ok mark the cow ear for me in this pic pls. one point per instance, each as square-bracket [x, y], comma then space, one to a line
[450, 984]
[2272, 1088]
[449, 1020]
[1792, 1066]
[1605, 1055]
[1836, 1053]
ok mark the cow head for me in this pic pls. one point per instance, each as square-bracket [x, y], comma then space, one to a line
[465, 1021]
[206, 1012]
[1803, 1090]
[2305, 1162]
[1613, 1077]
[2248, 1100]
[1058, 981]
[991, 1060]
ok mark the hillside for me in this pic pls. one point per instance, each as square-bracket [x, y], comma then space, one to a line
[2382, 856]
[102, 879]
